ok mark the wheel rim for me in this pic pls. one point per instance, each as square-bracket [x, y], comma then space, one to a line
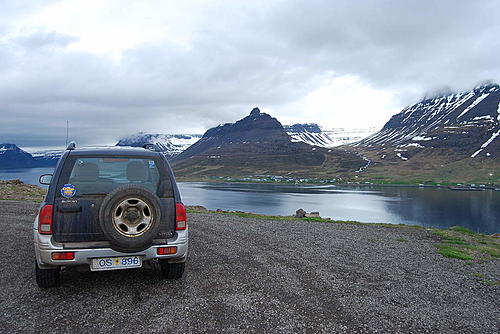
[132, 217]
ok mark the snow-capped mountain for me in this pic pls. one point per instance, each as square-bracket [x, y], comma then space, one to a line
[467, 123]
[258, 144]
[313, 134]
[48, 156]
[12, 156]
[171, 145]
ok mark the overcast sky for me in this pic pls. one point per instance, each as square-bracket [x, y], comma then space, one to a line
[117, 67]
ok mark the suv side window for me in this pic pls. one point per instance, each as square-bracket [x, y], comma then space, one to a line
[100, 175]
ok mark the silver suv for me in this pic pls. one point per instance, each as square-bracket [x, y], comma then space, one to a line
[110, 208]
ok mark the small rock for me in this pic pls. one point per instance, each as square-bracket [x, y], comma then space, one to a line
[313, 214]
[300, 213]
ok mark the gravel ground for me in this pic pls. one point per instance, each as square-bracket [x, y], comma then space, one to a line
[258, 276]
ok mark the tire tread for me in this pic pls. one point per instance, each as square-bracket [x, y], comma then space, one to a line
[47, 278]
[172, 270]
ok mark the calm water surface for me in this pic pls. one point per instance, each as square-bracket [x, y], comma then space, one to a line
[477, 210]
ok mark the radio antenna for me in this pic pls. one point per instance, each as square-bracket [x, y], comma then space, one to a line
[67, 131]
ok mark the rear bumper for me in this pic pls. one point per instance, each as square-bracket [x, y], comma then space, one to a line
[44, 247]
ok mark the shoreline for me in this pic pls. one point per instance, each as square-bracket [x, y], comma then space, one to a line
[397, 185]
[370, 182]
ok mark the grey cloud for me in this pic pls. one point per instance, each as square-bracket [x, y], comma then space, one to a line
[261, 55]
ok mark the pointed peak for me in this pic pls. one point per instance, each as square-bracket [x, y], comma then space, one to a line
[255, 111]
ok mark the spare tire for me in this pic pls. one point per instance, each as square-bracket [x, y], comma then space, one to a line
[130, 218]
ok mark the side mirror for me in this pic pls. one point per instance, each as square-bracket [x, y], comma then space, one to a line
[45, 179]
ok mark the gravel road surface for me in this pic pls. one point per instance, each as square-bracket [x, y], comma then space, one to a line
[257, 276]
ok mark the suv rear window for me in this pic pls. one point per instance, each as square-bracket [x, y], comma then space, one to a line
[100, 175]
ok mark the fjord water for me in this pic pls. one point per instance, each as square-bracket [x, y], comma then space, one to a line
[430, 207]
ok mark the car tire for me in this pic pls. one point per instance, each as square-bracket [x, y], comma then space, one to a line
[47, 278]
[118, 229]
[172, 270]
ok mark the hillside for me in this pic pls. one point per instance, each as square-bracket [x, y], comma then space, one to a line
[170, 145]
[259, 145]
[11, 156]
[444, 139]
[313, 134]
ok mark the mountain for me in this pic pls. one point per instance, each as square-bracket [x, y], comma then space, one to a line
[12, 156]
[313, 134]
[455, 135]
[258, 144]
[47, 158]
[171, 145]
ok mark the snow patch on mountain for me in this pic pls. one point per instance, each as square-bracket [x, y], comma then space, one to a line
[313, 134]
[489, 141]
[170, 145]
[473, 104]
[460, 121]
[401, 156]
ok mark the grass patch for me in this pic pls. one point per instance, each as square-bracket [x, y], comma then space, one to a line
[448, 236]
[462, 230]
[462, 243]
[401, 240]
[453, 252]
[200, 209]
[18, 191]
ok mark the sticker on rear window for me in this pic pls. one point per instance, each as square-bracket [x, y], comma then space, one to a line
[151, 164]
[68, 190]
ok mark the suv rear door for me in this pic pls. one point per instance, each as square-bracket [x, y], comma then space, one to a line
[84, 182]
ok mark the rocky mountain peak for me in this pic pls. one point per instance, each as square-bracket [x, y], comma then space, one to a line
[255, 129]
[255, 111]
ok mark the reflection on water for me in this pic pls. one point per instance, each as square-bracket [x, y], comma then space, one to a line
[476, 210]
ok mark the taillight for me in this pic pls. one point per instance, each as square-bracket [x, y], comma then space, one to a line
[45, 219]
[63, 256]
[166, 250]
[180, 217]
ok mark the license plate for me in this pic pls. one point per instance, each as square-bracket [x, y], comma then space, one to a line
[111, 263]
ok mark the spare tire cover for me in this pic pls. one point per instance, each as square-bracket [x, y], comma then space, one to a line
[130, 218]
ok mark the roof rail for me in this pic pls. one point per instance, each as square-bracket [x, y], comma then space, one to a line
[151, 147]
[71, 145]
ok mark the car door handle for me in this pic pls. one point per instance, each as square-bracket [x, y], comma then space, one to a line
[76, 208]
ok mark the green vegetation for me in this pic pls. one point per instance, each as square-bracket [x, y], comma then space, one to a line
[462, 230]
[401, 240]
[17, 190]
[453, 252]
[461, 243]
[198, 209]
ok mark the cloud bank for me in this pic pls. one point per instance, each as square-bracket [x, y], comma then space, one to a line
[117, 67]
